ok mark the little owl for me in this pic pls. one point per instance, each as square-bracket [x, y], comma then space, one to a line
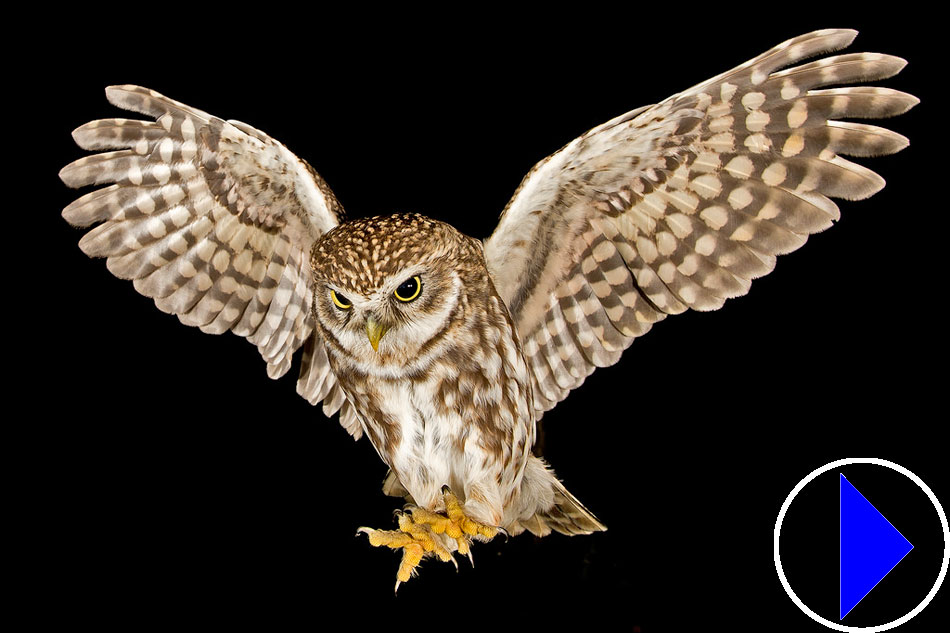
[444, 350]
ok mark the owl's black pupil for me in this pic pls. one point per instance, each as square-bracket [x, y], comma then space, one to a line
[342, 299]
[407, 289]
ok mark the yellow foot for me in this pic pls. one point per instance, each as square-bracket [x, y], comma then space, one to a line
[414, 539]
[419, 535]
[454, 523]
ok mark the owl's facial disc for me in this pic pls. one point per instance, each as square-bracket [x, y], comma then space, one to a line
[389, 291]
[397, 308]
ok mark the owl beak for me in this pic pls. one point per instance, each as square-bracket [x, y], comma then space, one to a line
[375, 331]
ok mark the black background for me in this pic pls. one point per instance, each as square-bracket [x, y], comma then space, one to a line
[166, 481]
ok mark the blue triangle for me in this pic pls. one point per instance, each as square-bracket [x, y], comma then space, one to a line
[870, 546]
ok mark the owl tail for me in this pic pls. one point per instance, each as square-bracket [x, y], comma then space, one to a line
[566, 515]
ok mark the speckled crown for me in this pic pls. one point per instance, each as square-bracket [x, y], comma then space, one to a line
[363, 252]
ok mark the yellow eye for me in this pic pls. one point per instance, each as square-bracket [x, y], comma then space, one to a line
[409, 289]
[341, 302]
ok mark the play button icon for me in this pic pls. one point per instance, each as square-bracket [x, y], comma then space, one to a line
[862, 545]
[870, 546]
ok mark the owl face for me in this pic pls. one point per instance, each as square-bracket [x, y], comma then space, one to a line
[384, 290]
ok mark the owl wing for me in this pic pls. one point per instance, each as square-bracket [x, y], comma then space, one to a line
[214, 220]
[681, 204]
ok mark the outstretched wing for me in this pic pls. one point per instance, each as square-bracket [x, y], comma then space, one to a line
[681, 204]
[214, 220]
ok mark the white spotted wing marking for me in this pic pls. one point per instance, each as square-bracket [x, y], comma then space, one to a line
[681, 204]
[214, 220]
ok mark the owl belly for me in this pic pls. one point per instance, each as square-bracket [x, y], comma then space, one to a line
[429, 443]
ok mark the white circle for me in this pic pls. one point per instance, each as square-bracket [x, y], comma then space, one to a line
[946, 545]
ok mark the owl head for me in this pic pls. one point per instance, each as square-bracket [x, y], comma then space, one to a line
[388, 289]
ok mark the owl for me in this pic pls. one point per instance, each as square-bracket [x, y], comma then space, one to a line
[444, 350]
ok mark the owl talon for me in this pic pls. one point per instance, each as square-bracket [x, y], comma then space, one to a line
[455, 513]
[422, 532]
[416, 540]
[455, 524]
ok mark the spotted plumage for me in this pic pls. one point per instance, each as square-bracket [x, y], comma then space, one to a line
[444, 350]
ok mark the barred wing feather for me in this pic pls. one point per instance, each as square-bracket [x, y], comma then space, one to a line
[681, 204]
[214, 220]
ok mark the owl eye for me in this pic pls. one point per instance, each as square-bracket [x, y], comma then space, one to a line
[341, 302]
[409, 289]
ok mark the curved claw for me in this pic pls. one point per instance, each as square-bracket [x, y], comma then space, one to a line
[420, 533]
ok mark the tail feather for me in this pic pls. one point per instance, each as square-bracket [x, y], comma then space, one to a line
[550, 507]
[567, 516]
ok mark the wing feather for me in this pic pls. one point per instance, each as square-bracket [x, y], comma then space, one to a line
[682, 204]
[215, 221]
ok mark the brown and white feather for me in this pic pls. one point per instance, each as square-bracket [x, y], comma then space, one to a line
[212, 219]
[682, 204]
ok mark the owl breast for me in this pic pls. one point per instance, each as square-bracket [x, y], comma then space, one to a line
[462, 421]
